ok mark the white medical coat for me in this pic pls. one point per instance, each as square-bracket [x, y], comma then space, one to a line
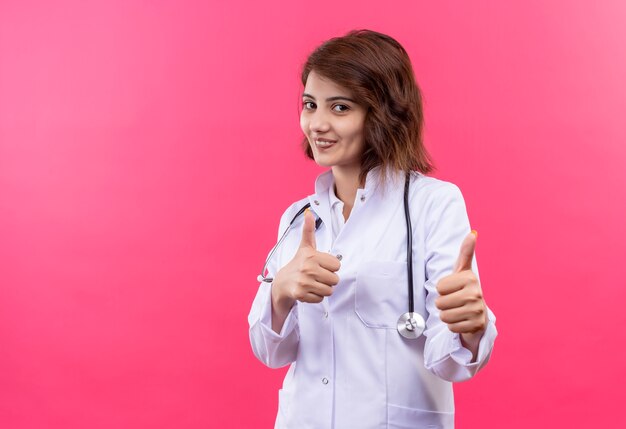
[350, 368]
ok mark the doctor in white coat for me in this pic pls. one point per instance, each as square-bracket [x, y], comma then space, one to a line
[337, 291]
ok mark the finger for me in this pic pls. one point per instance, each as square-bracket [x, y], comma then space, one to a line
[328, 261]
[452, 300]
[312, 287]
[466, 327]
[327, 277]
[454, 315]
[321, 289]
[308, 230]
[311, 298]
[454, 282]
[466, 254]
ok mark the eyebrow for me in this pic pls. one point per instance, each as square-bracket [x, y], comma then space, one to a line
[338, 97]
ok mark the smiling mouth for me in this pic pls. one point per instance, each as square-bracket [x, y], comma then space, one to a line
[323, 143]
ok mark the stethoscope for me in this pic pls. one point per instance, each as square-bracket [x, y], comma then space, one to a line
[410, 324]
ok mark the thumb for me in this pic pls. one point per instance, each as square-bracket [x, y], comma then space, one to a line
[466, 254]
[308, 230]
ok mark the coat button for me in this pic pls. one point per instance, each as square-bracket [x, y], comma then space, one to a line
[362, 197]
[339, 257]
[324, 380]
[317, 203]
[326, 315]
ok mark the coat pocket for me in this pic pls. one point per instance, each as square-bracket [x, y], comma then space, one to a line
[381, 293]
[414, 418]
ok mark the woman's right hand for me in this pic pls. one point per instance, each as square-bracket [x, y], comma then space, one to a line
[308, 277]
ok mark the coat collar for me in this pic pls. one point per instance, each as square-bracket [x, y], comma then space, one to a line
[372, 181]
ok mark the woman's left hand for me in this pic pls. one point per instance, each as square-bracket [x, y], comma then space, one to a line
[461, 301]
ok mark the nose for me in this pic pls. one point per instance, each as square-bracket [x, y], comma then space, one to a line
[319, 121]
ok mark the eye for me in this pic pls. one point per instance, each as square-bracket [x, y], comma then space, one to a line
[340, 108]
[308, 105]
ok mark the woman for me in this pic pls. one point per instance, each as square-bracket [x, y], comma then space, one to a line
[336, 285]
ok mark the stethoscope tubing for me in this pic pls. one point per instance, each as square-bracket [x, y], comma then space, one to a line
[409, 243]
[318, 222]
[410, 325]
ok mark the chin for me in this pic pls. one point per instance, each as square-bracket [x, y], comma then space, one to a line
[324, 164]
[322, 161]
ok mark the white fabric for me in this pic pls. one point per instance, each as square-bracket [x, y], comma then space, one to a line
[349, 366]
[336, 212]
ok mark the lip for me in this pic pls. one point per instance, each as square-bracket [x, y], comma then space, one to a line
[329, 144]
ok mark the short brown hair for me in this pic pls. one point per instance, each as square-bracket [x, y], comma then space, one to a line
[378, 72]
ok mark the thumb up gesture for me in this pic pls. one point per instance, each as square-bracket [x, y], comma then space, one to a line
[310, 275]
[461, 300]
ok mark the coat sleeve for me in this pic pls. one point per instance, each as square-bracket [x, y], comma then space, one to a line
[274, 350]
[447, 226]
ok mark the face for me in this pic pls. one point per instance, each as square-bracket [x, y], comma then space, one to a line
[333, 123]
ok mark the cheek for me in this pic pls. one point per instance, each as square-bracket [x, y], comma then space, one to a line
[354, 131]
[304, 124]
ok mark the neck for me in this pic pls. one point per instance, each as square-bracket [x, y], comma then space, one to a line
[346, 184]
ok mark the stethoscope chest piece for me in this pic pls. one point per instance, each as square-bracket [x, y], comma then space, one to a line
[411, 325]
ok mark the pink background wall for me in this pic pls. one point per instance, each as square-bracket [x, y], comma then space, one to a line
[148, 148]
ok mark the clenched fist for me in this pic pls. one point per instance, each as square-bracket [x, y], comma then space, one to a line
[308, 277]
[461, 301]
